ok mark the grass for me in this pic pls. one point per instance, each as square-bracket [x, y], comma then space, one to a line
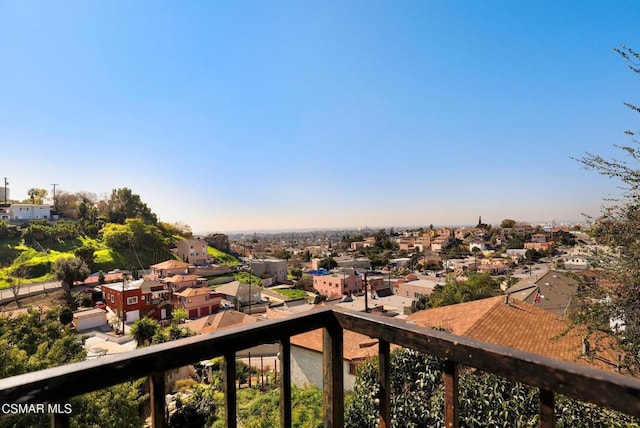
[221, 257]
[292, 293]
[244, 277]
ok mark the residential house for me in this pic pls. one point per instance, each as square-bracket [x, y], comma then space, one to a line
[345, 282]
[361, 263]
[169, 268]
[241, 294]
[413, 288]
[193, 251]
[28, 212]
[576, 263]
[180, 282]
[523, 326]
[140, 298]
[274, 268]
[306, 357]
[198, 302]
[437, 244]
[546, 246]
[219, 321]
[554, 292]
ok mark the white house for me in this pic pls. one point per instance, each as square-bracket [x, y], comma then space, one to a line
[29, 212]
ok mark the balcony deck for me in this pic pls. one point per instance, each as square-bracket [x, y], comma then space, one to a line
[608, 389]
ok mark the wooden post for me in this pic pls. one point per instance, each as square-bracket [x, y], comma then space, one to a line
[451, 403]
[285, 383]
[230, 389]
[547, 406]
[157, 393]
[384, 377]
[333, 377]
[59, 420]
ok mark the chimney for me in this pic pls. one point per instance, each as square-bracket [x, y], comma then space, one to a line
[506, 299]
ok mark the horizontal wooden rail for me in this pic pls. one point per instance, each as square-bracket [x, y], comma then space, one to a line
[66, 381]
[608, 389]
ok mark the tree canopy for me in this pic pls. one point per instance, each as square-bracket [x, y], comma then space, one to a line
[618, 227]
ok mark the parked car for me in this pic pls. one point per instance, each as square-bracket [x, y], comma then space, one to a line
[101, 305]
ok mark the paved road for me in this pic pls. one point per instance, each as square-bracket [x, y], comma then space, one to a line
[29, 290]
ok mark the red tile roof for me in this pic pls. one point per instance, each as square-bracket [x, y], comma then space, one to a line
[522, 326]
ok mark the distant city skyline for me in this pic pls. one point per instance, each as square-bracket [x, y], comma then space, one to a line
[289, 115]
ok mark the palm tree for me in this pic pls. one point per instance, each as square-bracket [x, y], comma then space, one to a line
[144, 330]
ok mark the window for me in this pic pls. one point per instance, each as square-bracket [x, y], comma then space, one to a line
[132, 300]
[353, 368]
[112, 298]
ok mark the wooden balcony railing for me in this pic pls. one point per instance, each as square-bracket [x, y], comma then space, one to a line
[608, 389]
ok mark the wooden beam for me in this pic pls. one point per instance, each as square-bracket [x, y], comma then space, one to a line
[451, 402]
[285, 383]
[547, 409]
[384, 377]
[332, 371]
[60, 420]
[604, 388]
[62, 382]
[157, 397]
[230, 414]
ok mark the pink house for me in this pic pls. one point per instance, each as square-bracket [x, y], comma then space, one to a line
[198, 302]
[339, 284]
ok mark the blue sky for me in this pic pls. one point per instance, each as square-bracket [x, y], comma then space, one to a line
[259, 115]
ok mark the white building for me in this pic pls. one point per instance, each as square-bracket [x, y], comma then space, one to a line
[275, 268]
[28, 212]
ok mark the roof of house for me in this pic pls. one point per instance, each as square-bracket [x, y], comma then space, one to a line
[234, 288]
[181, 278]
[171, 264]
[148, 284]
[195, 291]
[218, 321]
[356, 346]
[557, 292]
[522, 326]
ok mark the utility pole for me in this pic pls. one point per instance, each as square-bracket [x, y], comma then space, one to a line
[6, 183]
[366, 297]
[124, 313]
[55, 205]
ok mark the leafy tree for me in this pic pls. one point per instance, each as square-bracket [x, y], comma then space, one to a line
[296, 273]
[618, 227]
[68, 271]
[144, 330]
[507, 223]
[66, 316]
[476, 286]
[417, 399]
[124, 204]
[179, 315]
[328, 263]
[37, 195]
[114, 407]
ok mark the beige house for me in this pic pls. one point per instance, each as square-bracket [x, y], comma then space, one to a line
[168, 268]
[193, 251]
